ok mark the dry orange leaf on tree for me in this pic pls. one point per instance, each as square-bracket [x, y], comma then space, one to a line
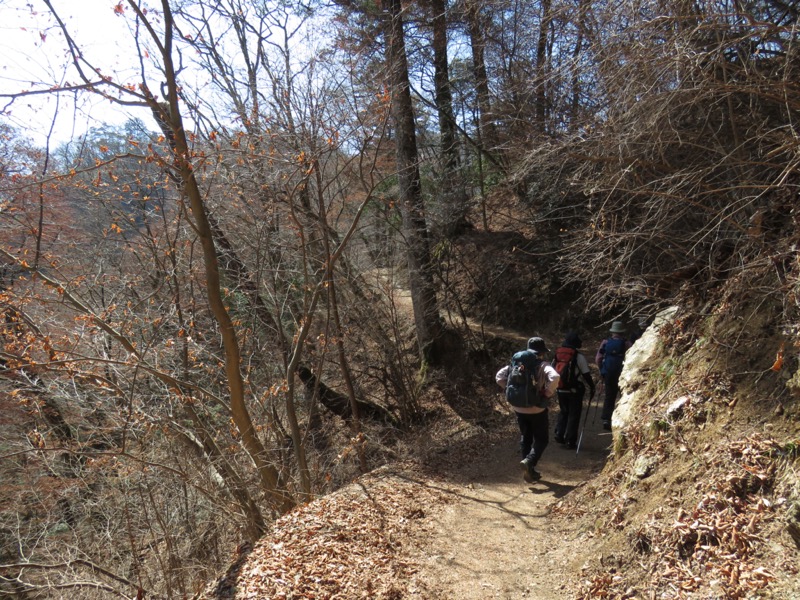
[776, 366]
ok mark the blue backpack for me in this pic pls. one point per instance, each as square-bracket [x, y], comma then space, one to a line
[522, 389]
[613, 356]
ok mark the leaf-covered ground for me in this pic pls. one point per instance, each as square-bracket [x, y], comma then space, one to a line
[697, 498]
[459, 523]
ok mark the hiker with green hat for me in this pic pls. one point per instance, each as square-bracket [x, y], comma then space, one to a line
[610, 358]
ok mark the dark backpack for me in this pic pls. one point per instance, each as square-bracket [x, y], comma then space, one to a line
[522, 389]
[613, 356]
[565, 363]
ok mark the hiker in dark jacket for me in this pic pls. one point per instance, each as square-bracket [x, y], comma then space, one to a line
[610, 358]
[571, 389]
[638, 330]
[533, 421]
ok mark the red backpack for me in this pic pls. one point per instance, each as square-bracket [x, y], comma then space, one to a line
[565, 363]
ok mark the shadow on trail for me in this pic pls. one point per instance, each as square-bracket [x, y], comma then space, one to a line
[488, 454]
[479, 471]
[500, 503]
[557, 490]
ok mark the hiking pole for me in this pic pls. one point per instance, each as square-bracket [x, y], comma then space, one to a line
[585, 418]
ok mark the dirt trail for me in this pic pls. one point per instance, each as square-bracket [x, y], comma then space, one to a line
[496, 540]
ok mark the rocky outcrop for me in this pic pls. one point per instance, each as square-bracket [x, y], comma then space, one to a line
[635, 371]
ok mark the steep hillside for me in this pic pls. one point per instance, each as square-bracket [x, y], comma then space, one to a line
[700, 496]
[696, 495]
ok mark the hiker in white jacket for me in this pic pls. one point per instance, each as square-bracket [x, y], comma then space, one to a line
[533, 421]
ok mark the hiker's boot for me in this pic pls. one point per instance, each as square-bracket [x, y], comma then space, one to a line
[526, 470]
[529, 474]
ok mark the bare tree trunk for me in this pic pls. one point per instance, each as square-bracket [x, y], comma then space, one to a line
[270, 478]
[333, 304]
[542, 68]
[443, 94]
[204, 441]
[233, 482]
[423, 291]
[454, 193]
[478, 44]
[576, 59]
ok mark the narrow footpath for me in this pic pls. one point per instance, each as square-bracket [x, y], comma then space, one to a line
[495, 539]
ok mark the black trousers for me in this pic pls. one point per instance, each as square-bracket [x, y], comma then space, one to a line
[570, 404]
[535, 435]
[611, 381]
